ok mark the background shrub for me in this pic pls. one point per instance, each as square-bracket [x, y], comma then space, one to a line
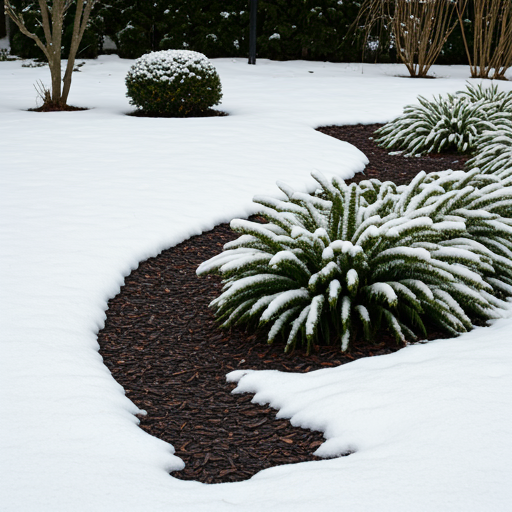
[287, 29]
[453, 122]
[353, 259]
[295, 29]
[178, 83]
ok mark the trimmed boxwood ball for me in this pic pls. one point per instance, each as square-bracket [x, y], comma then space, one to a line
[176, 83]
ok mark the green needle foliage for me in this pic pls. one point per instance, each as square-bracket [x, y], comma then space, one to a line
[494, 150]
[497, 101]
[451, 123]
[356, 258]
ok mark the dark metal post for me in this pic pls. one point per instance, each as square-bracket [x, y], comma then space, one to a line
[252, 31]
[3, 23]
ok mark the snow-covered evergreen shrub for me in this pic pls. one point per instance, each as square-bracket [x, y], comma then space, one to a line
[454, 122]
[493, 152]
[496, 101]
[312, 30]
[451, 123]
[483, 202]
[173, 82]
[354, 258]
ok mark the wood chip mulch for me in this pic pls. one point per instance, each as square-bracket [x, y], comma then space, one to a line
[211, 112]
[57, 108]
[161, 343]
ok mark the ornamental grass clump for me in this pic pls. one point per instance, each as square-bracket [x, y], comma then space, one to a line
[451, 123]
[496, 101]
[176, 83]
[494, 150]
[352, 259]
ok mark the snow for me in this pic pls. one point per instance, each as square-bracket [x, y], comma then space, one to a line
[352, 278]
[84, 196]
[314, 314]
[168, 65]
[464, 404]
[287, 256]
[385, 290]
[282, 300]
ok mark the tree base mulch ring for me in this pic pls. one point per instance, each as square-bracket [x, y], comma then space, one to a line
[57, 108]
[205, 113]
[161, 343]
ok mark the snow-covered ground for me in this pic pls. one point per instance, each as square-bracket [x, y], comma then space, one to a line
[84, 196]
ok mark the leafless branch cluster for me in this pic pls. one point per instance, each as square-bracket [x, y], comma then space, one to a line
[420, 28]
[492, 38]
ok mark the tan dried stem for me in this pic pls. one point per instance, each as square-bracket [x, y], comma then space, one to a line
[420, 28]
[492, 38]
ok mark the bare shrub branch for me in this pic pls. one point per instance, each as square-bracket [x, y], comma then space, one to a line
[492, 38]
[420, 28]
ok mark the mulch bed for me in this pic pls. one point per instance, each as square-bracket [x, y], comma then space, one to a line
[211, 112]
[161, 343]
[386, 167]
[57, 108]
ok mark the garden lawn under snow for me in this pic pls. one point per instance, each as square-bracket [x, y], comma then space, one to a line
[84, 196]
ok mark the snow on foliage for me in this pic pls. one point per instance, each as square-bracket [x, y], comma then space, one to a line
[455, 122]
[354, 258]
[494, 150]
[169, 65]
[173, 82]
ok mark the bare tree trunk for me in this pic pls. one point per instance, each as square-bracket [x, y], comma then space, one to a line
[3, 24]
[57, 20]
[52, 22]
[79, 26]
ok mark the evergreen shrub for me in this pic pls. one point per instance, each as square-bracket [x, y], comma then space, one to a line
[494, 150]
[454, 122]
[309, 29]
[176, 83]
[353, 258]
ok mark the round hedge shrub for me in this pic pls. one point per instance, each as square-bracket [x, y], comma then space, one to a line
[177, 83]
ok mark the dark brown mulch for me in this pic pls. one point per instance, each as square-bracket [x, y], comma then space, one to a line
[386, 167]
[161, 343]
[51, 107]
[205, 113]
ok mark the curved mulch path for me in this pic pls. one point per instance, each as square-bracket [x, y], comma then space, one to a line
[384, 166]
[161, 343]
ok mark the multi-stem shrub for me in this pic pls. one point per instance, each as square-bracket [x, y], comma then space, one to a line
[176, 83]
[454, 122]
[355, 258]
